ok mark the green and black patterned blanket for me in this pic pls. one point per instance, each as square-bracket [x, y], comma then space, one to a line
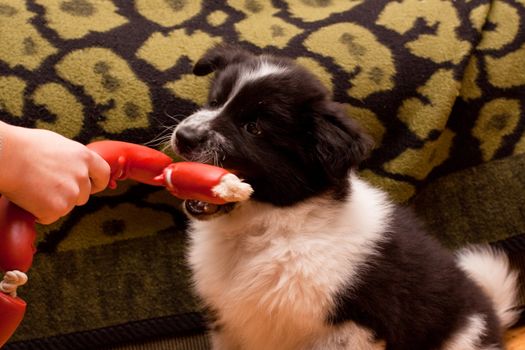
[440, 85]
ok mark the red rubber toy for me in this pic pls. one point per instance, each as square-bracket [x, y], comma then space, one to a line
[17, 234]
[186, 180]
[131, 161]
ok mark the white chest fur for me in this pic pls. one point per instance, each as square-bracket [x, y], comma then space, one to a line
[271, 273]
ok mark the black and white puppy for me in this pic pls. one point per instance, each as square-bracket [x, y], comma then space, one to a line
[318, 258]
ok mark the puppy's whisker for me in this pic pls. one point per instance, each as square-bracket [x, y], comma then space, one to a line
[215, 158]
[158, 141]
[220, 155]
[166, 147]
[162, 137]
[177, 117]
[207, 157]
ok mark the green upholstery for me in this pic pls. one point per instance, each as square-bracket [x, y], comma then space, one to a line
[440, 85]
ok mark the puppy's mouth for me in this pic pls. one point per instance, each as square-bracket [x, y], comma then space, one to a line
[202, 210]
[197, 209]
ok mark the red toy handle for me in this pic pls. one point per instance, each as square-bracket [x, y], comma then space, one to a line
[17, 234]
[185, 180]
[12, 311]
[17, 228]
[131, 161]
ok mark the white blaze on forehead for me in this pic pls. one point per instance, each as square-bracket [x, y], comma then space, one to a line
[200, 121]
[263, 69]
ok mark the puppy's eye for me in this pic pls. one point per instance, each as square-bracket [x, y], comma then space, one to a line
[253, 128]
[213, 103]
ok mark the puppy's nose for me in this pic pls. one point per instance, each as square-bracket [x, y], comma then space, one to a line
[187, 139]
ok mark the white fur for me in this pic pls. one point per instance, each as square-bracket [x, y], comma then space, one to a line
[232, 189]
[200, 120]
[490, 269]
[347, 337]
[271, 272]
[468, 337]
[263, 69]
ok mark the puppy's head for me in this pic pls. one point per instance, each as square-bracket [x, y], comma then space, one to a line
[274, 124]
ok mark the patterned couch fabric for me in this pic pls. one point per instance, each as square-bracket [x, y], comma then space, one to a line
[440, 85]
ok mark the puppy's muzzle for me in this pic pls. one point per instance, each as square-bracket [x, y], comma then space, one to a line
[188, 139]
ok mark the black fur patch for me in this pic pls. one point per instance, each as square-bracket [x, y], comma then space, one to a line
[412, 294]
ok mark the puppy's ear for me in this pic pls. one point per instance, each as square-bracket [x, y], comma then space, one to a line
[341, 143]
[219, 57]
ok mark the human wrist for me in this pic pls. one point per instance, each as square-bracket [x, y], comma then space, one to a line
[8, 158]
[1, 140]
[3, 131]
[4, 166]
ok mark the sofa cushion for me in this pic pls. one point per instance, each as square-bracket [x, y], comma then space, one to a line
[440, 85]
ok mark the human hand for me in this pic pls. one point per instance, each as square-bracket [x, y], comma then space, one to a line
[46, 173]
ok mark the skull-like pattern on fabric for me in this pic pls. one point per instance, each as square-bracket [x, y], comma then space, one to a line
[440, 85]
